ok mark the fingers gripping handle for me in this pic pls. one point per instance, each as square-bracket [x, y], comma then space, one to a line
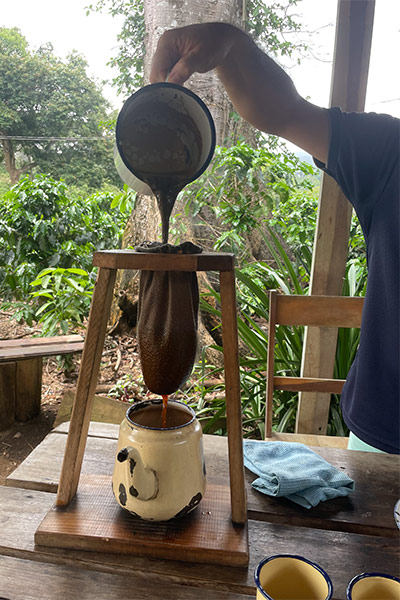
[143, 483]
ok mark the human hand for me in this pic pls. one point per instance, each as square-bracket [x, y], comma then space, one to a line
[195, 48]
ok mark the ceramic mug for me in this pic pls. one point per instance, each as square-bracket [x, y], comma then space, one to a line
[291, 577]
[160, 127]
[374, 586]
[159, 472]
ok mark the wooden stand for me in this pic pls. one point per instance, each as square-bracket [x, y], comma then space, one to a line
[108, 263]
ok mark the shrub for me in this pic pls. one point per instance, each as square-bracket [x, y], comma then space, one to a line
[64, 297]
[42, 226]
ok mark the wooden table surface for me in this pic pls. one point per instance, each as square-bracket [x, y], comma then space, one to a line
[345, 536]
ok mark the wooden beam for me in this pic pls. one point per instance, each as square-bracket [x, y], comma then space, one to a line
[85, 391]
[7, 394]
[348, 90]
[232, 396]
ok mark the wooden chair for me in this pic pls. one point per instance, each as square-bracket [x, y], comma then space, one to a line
[295, 310]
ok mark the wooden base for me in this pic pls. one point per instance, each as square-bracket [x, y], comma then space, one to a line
[94, 521]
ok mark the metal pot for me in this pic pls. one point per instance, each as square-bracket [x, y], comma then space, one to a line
[165, 129]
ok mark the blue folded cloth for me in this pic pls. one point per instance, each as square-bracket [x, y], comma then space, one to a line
[294, 471]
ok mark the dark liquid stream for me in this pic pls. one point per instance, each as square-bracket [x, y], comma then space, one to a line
[164, 410]
[166, 190]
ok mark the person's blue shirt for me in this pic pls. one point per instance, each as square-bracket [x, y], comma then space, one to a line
[364, 160]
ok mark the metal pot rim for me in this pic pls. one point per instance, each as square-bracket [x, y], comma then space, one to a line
[157, 401]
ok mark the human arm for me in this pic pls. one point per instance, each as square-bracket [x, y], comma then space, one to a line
[260, 90]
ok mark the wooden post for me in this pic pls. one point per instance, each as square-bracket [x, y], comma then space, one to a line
[7, 394]
[232, 396]
[28, 383]
[89, 370]
[348, 89]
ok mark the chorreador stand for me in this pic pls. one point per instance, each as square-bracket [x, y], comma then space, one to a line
[211, 534]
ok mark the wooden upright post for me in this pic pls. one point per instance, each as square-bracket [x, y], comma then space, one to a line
[348, 90]
[232, 396]
[89, 370]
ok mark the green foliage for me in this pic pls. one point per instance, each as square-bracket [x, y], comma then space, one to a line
[268, 22]
[276, 195]
[42, 226]
[128, 388]
[130, 55]
[295, 219]
[44, 98]
[12, 43]
[253, 282]
[64, 296]
[248, 189]
[4, 180]
[241, 189]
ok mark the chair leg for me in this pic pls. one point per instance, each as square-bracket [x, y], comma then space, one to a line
[270, 365]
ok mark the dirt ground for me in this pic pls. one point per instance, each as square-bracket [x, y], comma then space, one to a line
[119, 358]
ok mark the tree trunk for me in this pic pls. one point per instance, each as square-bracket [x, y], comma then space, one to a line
[160, 16]
[10, 162]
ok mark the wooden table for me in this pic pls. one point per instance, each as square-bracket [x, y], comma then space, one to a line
[345, 536]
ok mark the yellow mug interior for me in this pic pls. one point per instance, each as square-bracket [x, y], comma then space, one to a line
[291, 578]
[371, 588]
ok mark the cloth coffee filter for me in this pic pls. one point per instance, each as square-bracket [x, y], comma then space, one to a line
[167, 322]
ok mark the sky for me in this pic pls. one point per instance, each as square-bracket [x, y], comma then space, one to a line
[67, 27]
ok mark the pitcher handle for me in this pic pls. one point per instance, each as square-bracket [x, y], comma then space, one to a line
[143, 481]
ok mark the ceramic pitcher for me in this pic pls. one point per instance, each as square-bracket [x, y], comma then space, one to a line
[159, 472]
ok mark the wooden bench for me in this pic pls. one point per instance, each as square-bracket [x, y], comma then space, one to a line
[21, 364]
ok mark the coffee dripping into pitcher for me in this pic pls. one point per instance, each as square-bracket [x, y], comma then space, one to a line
[165, 138]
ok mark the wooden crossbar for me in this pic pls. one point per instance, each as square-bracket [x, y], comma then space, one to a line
[309, 384]
[320, 311]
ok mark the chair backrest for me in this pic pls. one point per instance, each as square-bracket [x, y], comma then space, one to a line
[320, 311]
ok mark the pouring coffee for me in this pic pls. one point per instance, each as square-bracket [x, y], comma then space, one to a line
[165, 138]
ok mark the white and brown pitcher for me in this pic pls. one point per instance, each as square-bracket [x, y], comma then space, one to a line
[159, 472]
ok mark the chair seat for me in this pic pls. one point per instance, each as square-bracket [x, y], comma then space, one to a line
[331, 441]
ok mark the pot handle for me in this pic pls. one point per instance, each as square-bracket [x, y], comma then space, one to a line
[143, 481]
